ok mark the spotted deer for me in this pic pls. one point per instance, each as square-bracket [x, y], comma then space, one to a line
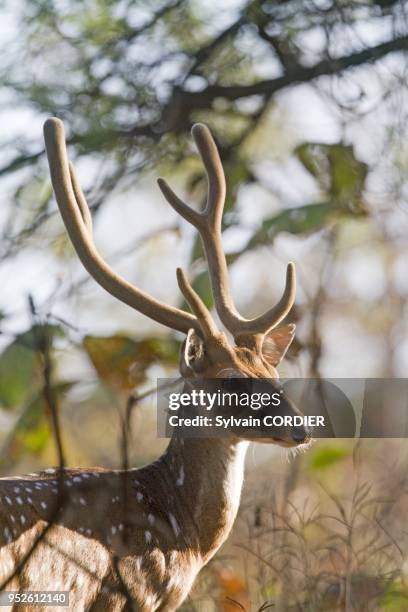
[136, 539]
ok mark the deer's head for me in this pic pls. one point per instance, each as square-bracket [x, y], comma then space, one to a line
[257, 345]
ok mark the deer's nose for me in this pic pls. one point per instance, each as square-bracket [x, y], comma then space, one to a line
[301, 434]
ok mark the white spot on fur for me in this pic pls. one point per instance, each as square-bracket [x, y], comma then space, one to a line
[19, 501]
[139, 496]
[180, 479]
[22, 519]
[173, 557]
[113, 529]
[174, 524]
[7, 535]
[8, 500]
[82, 501]
[148, 536]
[43, 505]
[151, 519]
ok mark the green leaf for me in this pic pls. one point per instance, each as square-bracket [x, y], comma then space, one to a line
[395, 597]
[339, 173]
[18, 370]
[31, 432]
[122, 362]
[19, 364]
[198, 249]
[203, 287]
[348, 173]
[238, 173]
[327, 456]
[312, 156]
[342, 179]
[300, 220]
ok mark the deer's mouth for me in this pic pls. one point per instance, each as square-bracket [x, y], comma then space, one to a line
[283, 442]
[275, 440]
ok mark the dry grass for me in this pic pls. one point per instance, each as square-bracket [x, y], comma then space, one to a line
[326, 531]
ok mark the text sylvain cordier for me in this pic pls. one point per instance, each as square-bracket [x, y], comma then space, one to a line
[249, 421]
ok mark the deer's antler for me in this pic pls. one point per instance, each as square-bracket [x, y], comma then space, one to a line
[77, 218]
[208, 223]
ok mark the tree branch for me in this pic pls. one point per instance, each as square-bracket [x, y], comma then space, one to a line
[302, 74]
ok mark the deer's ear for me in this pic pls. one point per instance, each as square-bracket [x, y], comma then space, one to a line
[277, 342]
[193, 352]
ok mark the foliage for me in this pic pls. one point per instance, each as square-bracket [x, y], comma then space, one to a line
[17, 370]
[122, 362]
[21, 392]
[333, 543]
[32, 432]
[326, 456]
[137, 74]
[20, 367]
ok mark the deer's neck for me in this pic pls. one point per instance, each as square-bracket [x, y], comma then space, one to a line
[207, 476]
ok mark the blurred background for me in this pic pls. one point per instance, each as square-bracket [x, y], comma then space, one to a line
[308, 104]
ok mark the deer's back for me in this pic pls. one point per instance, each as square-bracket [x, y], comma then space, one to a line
[102, 540]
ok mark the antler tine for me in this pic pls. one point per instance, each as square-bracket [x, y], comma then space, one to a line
[208, 223]
[196, 304]
[211, 217]
[75, 213]
[80, 199]
[179, 206]
[272, 317]
[215, 173]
